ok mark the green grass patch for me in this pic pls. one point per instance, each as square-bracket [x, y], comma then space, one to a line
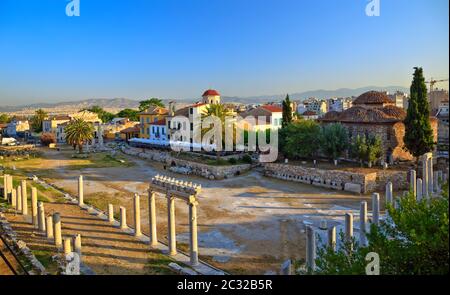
[45, 257]
[158, 264]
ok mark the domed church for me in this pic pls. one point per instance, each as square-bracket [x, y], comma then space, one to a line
[374, 113]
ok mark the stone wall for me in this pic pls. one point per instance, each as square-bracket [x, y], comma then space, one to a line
[337, 179]
[185, 166]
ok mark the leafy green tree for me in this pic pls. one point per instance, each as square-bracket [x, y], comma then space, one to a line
[414, 242]
[365, 148]
[37, 119]
[155, 102]
[374, 149]
[418, 137]
[4, 118]
[131, 114]
[333, 140]
[358, 148]
[287, 112]
[102, 114]
[221, 112]
[79, 132]
[300, 139]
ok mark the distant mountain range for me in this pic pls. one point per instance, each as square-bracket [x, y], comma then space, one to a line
[342, 92]
[116, 104]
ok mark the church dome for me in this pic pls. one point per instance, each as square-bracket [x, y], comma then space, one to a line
[372, 97]
[211, 92]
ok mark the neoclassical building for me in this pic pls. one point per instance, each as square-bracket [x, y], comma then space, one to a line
[373, 113]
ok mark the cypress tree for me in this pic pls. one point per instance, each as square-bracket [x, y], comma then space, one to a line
[287, 112]
[418, 137]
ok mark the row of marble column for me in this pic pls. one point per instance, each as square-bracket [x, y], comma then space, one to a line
[311, 247]
[420, 189]
[152, 220]
[49, 225]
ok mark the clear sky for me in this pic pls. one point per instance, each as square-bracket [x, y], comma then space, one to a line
[177, 49]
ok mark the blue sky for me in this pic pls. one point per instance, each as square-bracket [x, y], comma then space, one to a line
[177, 49]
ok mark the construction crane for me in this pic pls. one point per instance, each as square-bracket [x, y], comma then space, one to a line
[432, 82]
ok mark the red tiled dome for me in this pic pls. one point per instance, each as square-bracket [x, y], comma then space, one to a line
[372, 97]
[211, 92]
[359, 114]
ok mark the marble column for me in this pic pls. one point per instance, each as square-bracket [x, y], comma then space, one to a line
[419, 190]
[436, 181]
[110, 213]
[77, 243]
[34, 210]
[14, 199]
[123, 218]
[430, 176]
[137, 216]
[332, 238]
[412, 182]
[152, 219]
[19, 198]
[5, 187]
[49, 227]
[310, 248]
[57, 230]
[67, 248]
[24, 198]
[363, 223]
[375, 208]
[10, 184]
[193, 232]
[41, 217]
[389, 193]
[171, 222]
[425, 175]
[348, 227]
[80, 191]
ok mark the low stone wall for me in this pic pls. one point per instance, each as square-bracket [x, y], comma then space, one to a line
[20, 247]
[337, 179]
[187, 167]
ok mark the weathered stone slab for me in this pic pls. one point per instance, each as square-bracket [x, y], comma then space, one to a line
[352, 187]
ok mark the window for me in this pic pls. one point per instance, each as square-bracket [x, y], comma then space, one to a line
[192, 126]
[155, 119]
[148, 120]
[191, 111]
[163, 131]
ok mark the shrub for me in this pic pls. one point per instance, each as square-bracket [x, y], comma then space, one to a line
[48, 138]
[415, 242]
[232, 161]
[247, 159]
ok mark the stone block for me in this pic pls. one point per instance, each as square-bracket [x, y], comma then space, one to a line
[352, 187]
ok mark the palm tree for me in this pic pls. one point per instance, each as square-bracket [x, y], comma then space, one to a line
[79, 132]
[38, 118]
[221, 112]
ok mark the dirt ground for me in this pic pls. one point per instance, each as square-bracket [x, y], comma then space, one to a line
[105, 249]
[247, 225]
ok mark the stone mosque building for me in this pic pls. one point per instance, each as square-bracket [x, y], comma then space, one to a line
[373, 113]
